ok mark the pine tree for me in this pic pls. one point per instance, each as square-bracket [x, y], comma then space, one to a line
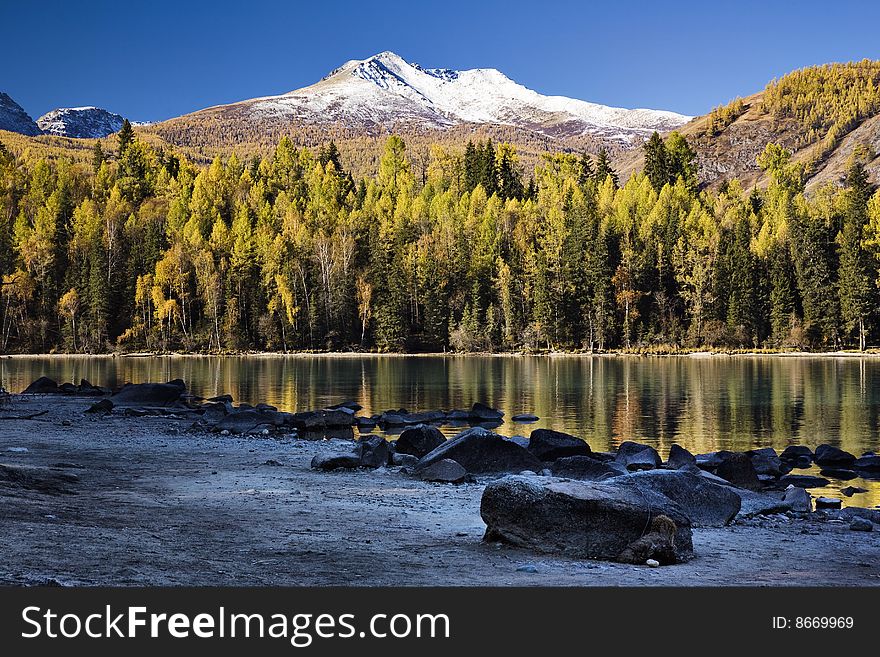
[604, 169]
[656, 164]
[855, 287]
[97, 157]
[125, 136]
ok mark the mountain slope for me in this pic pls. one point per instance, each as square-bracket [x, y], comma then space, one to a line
[14, 119]
[822, 114]
[384, 93]
[80, 122]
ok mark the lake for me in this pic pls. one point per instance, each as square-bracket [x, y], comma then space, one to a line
[703, 403]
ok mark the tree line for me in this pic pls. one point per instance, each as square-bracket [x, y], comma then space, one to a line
[143, 250]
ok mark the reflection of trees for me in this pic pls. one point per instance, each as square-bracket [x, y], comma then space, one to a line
[702, 403]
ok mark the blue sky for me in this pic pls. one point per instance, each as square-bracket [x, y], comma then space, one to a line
[154, 60]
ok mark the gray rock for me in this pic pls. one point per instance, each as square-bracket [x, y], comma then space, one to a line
[838, 473]
[321, 420]
[766, 462]
[586, 468]
[419, 440]
[711, 460]
[482, 412]
[833, 456]
[593, 520]
[527, 568]
[737, 468]
[803, 481]
[869, 462]
[794, 453]
[761, 504]
[851, 512]
[216, 411]
[249, 420]
[335, 461]
[350, 405]
[522, 441]
[42, 386]
[828, 503]
[480, 451]
[445, 471]
[154, 394]
[102, 407]
[525, 417]
[635, 456]
[849, 491]
[798, 499]
[679, 457]
[403, 460]
[373, 451]
[706, 504]
[549, 445]
[861, 525]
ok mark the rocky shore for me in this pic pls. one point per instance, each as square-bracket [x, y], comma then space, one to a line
[148, 484]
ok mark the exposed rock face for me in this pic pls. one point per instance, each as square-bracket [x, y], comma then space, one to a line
[80, 122]
[480, 451]
[550, 445]
[593, 520]
[14, 119]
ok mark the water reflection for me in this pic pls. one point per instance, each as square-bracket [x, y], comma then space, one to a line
[702, 403]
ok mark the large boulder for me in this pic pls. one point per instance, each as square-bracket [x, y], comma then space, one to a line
[833, 456]
[635, 456]
[419, 440]
[42, 386]
[592, 520]
[737, 468]
[480, 451]
[152, 394]
[706, 504]
[795, 453]
[549, 445]
[586, 468]
[443, 471]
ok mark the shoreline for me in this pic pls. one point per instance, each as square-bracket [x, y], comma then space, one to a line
[152, 503]
[440, 354]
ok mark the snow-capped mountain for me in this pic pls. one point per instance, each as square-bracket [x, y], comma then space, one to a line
[386, 91]
[80, 122]
[14, 118]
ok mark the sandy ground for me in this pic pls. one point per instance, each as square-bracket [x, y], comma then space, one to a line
[156, 505]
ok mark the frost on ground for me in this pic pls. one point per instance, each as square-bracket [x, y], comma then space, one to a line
[141, 501]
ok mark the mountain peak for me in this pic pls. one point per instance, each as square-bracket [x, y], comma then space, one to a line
[14, 118]
[80, 122]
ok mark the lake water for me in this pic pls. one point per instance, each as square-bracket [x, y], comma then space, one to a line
[701, 403]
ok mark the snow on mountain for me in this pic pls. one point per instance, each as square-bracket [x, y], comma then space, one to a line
[14, 118]
[385, 90]
[80, 122]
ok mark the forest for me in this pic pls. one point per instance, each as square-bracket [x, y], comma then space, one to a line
[142, 250]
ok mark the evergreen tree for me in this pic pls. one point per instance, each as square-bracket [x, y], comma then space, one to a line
[125, 136]
[604, 169]
[856, 292]
[656, 161]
